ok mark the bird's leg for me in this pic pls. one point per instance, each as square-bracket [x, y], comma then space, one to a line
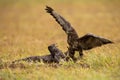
[79, 49]
[71, 54]
[80, 52]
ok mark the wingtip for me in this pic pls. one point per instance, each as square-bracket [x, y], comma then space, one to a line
[111, 42]
[48, 9]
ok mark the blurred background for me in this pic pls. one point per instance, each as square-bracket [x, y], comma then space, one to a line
[26, 28]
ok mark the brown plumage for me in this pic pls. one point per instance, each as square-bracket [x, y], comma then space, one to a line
[54, 56]
[86, 42]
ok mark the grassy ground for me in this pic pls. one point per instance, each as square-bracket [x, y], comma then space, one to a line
[26, 30]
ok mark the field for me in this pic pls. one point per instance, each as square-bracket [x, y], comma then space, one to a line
[27, 30]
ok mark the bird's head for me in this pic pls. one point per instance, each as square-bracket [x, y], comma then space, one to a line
[52, 47]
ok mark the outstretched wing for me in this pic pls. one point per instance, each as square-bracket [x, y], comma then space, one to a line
[66, 26]
[90, 41]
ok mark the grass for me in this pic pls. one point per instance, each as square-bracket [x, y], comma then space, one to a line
[26, 30]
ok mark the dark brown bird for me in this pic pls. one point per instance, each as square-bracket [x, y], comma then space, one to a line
[54, 56]
[86, 42]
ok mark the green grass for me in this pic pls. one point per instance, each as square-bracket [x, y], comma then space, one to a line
[26, 30]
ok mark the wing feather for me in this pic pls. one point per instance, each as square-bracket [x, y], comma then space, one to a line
[90, 41]
[66, 26]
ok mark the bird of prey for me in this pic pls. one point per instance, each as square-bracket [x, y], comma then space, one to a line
[54, 56]
[75, 42]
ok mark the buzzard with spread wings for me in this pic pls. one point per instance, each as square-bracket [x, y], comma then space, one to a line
[86, 42]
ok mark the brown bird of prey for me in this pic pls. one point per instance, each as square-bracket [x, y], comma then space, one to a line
[85, 42]
[54, 56]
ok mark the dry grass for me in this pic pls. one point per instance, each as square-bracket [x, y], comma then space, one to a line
[26, 30]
